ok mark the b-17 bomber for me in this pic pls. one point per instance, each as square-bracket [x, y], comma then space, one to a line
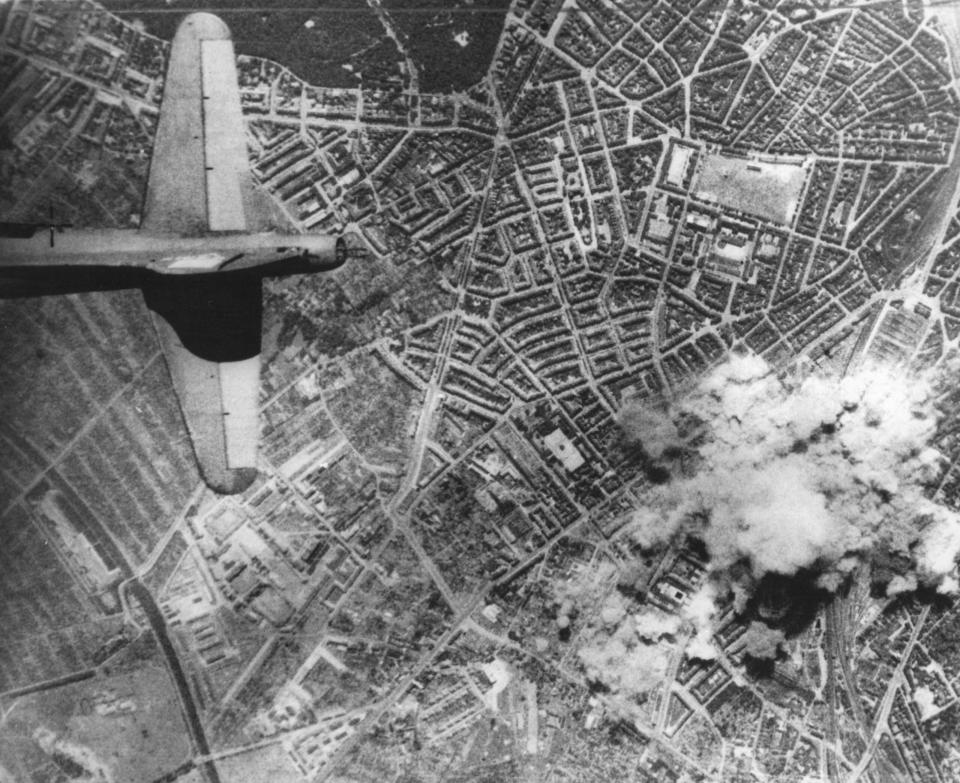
[203, 246]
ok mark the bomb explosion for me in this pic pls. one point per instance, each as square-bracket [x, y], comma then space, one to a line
[811, 476]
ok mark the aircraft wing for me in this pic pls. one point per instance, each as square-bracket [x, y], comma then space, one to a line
[200, 182]
[209, 327]
[200, 179]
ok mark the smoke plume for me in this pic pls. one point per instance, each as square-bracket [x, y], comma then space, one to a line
[810, 474]
[778, 477]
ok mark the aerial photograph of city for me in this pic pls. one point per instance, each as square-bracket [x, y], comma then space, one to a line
[479, 391]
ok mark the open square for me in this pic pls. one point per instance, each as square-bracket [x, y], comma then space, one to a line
[769, 190]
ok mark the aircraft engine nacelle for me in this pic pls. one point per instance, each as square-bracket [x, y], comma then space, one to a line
[322, 251]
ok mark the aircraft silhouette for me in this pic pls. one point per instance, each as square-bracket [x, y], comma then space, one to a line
[204, 245]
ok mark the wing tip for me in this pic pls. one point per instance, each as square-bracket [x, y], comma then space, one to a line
[203, 26]
[229, 481]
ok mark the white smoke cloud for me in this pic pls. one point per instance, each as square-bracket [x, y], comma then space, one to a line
[938, 549]
[699, 611]
[623, 663]
[902, 584]
[773, 515]
[795, 475]
[626, 651]
[613, 610]
[805, 473]
[629, 653]
[652, 624]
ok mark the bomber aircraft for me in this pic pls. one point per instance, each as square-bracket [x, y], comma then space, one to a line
[207, 238]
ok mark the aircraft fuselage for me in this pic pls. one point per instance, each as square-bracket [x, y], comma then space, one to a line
[169, 253]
